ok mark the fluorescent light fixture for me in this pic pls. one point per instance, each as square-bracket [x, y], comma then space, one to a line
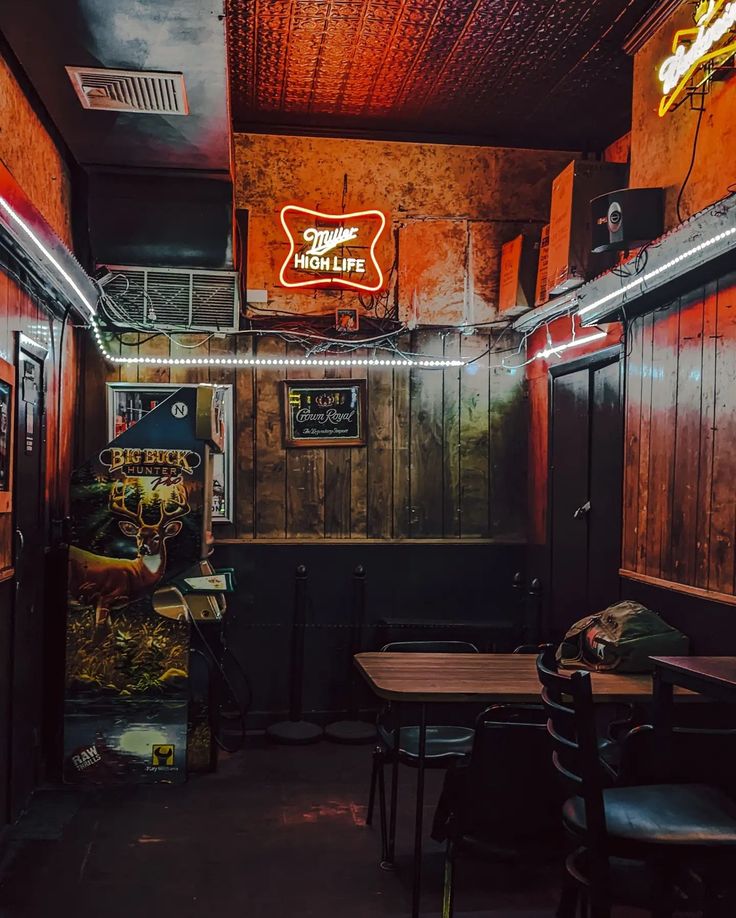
[638, 281]
[576, 342]
[45, 252]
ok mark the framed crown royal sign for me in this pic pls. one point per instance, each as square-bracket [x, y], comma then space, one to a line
[324, 412]
[336, 251]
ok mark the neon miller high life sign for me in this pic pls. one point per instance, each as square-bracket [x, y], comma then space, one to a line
[710, 42]
[332, 250]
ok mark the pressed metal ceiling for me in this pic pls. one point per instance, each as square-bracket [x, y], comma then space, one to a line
[522, 72]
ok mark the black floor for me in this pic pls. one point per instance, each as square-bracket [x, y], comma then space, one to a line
[275, 832]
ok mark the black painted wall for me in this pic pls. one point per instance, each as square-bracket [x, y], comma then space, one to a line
[420, 583]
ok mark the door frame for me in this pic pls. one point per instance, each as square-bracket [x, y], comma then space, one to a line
[28, 345]
[592, 361]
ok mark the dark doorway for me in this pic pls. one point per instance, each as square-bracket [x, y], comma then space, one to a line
[27, 643]
[585, 479]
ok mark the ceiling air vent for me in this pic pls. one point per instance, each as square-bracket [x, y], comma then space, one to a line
[130, 90]
[172, 298]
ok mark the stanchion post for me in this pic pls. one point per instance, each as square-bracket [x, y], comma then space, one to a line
[296, 731]
[352, 729]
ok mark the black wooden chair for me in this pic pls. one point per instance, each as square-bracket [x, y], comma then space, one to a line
[446, 745]
[634, 844]
[505, 796]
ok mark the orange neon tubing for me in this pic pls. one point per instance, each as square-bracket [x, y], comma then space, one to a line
[336, 281]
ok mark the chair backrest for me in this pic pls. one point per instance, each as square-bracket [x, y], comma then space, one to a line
[571, 727]
[429, 647]
[511, 786]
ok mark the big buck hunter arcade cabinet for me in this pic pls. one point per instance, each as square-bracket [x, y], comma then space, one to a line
[138, 572]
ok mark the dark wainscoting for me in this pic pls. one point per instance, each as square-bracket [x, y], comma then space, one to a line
[407, 581]
[711, 625]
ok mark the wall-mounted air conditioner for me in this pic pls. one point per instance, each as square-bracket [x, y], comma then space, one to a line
[172, 298]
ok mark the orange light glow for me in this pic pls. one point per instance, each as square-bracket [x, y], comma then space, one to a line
[324, 242]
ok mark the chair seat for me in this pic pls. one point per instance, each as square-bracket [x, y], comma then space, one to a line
[678, 815]
[443, 743]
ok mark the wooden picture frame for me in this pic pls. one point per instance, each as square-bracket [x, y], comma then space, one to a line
[319, 398]
[7, 444]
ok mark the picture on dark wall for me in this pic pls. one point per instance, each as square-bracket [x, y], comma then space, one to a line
[325, 412]
[5, 406]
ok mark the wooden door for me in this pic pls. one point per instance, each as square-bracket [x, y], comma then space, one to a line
[26, 713]
[586, 463]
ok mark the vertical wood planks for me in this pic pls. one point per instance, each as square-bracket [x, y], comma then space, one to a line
[401, 453]
[474, 438]
[337, 480]
[452, 511]
[671, 324]
[663, 364]
[379, 454]
[270, 475]
[707, 435]
[634, 404]
[687, 441]
[723, 509]
[426, 441]
[159, 346]
[359, 474]
[305, 468]
[647, 334]
[244, 442]
[507, 474]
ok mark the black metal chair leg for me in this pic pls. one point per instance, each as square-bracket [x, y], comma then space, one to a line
[382, 805]
[448, 892]
[568, 904]
[372, 793]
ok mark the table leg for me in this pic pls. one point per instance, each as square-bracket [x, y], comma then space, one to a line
[388, 864]
[419, 813]
[663, 704]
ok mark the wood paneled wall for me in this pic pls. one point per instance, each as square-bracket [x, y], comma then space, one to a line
[680, 472]
[445, 458]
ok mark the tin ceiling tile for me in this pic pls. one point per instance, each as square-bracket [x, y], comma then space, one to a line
[527, 72]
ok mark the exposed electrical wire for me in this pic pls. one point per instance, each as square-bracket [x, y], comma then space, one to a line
[691, 166]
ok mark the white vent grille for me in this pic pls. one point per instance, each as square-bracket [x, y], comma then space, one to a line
[130, 90]
[173, 298]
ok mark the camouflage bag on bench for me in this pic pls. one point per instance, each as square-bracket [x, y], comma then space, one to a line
[622, 638]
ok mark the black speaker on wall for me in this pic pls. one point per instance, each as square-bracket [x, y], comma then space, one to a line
[627, 218]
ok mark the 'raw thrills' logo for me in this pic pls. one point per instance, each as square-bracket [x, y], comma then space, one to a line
[166, 464]
[696, 50]
[332, 250]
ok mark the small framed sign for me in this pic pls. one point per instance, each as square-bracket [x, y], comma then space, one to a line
[324, 412]
[7, 382]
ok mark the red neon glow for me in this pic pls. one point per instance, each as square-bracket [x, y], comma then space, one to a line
[332, 280]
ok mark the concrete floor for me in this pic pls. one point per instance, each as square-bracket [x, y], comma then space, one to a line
[275, 832]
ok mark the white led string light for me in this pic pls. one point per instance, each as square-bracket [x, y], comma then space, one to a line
[39, 245]
[273, 361]
[576, 342]
[638, 281]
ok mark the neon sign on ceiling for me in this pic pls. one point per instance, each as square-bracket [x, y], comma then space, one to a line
[710, 43]
[332, 250]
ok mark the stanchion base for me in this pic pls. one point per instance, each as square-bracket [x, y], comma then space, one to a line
[350, 731]
[294, 732]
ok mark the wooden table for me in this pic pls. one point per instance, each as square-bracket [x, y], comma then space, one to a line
[711, 676]
[429, 678]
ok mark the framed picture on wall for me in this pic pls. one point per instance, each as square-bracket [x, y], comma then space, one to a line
[127, 403]
[324, 412]
[7, 380]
